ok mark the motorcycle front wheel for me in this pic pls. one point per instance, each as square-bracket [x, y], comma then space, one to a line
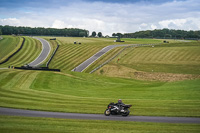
[107, 112]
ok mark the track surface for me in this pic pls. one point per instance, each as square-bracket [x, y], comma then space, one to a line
[92, 59]
[46, 48]
[29, 113]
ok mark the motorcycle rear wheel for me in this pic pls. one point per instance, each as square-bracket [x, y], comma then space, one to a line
[107, 112]
[126, 113]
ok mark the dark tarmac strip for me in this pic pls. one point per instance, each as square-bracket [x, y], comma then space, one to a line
[46, 48]
[96, 56]
[30, 113]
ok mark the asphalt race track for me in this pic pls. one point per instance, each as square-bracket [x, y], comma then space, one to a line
[29, 113]
[92, 59]
[46, 48]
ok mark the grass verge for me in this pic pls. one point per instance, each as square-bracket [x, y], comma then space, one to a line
[30, 124]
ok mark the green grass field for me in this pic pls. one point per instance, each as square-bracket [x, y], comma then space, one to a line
[27, 54]
[68, 91]
[182, 59]
[51, 125]
[70, 55]
[86, 93]
[170, 58]
[8, 44]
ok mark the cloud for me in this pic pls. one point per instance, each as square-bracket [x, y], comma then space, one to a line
[58, 24]
[9, 21]
[176, 22]
[107, 17]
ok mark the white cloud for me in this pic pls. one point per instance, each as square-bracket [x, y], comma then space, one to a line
[111, 17]
[153, 26]
[58, 24]
[185, 24]
[10, 21]
[143, 25]
[177, 22]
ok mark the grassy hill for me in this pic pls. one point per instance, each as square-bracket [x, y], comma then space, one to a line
[86, 93]
[70, 55]
[27, 54]
[8, 44]
[179, 59]
[68, 91]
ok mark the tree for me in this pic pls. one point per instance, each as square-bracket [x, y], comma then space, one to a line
[82, 34]
[119, 35]
[99, 34]
[114, 34]
[94, 33]
[74, 32]
[164, 33]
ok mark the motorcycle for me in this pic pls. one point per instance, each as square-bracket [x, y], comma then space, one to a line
[114, 109]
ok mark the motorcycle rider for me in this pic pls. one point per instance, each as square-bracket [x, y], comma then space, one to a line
[119, 104]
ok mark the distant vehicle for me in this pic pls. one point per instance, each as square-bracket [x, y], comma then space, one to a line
[115, 109]
[165, 41]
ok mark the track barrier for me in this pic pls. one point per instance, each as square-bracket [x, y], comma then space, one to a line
[14, 52]
[52, 55]
[39, 68]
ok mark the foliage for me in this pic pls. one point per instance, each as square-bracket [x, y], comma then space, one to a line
[94, 33]
[82, 34]
[100, 34]
[117, 34]
[73, 32]
[164, 33]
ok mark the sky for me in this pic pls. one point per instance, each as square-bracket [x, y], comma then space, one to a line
[106, 16]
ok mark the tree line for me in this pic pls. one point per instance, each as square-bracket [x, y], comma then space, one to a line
[94, 34]
[162, 33]
[71, 32]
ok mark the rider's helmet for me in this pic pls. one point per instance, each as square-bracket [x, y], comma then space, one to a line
[119, 101]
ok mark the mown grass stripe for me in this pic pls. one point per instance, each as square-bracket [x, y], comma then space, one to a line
[77, 59]
[61, 55]
[33, 52]
[14, 81]
[76, 54]
[23, 56]
[7, 45]
[6, 80]
[28, 53]
[20, 55]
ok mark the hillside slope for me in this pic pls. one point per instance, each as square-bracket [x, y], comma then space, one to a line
[70, 55]
[7, 45]
[28, 53]
[88, 93]
[174, 58]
